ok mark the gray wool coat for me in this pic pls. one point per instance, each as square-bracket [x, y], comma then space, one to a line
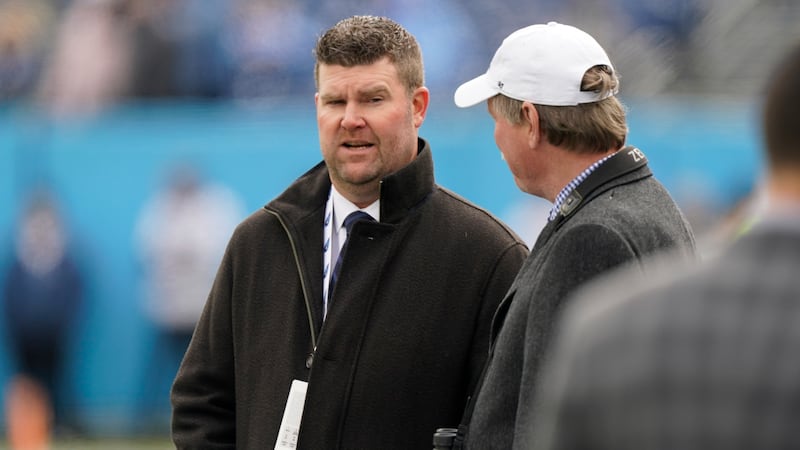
[622, 220]
[404, 341]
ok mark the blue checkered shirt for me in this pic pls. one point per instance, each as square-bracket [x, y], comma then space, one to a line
[572, 185]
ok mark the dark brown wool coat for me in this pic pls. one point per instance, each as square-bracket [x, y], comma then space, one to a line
[404, 341]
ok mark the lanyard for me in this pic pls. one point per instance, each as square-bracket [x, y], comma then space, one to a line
[327, 253]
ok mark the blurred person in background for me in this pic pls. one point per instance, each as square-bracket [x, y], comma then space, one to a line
[441, 27]
[89, 67]
[267, 43]
[190, 35]
[551, 91]
[180, 238]
[697, 357]
[43, 293]
[285, 356]
[153, 50]
[25, 32]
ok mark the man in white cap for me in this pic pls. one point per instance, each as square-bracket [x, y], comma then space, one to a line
[550, 89]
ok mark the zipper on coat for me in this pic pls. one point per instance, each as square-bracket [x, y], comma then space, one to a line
[304, 288]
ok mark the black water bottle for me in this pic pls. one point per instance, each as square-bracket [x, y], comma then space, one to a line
[444, 438]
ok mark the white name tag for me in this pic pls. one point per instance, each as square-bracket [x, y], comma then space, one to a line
[290, 424]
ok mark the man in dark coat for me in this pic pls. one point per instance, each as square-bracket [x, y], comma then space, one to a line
[283, 358]
[700, 356]
[42, 298]
[551, 92]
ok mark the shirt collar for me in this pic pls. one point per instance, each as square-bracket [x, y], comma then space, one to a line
[342, 207]
[574, 184]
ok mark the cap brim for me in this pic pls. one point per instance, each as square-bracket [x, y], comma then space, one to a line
[473, 92]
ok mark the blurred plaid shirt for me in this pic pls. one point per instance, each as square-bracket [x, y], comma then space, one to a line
[704, 359]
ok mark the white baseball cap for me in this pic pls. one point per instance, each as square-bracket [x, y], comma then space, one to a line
[541, 64]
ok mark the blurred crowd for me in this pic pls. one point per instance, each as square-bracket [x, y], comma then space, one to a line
[78, 55]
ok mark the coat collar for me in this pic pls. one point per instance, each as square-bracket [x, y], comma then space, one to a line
[301, 208]
[603, 186]
[401, 191]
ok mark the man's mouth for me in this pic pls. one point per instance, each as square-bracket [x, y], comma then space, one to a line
[357, 145]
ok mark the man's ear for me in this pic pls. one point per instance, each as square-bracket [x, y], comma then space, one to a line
[530, 119]
[420, 100]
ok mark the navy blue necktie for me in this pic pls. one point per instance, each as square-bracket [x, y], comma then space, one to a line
[349, 221]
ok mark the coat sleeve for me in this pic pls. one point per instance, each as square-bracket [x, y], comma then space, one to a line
[498, 283]
[203, 394]
[579, 255]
